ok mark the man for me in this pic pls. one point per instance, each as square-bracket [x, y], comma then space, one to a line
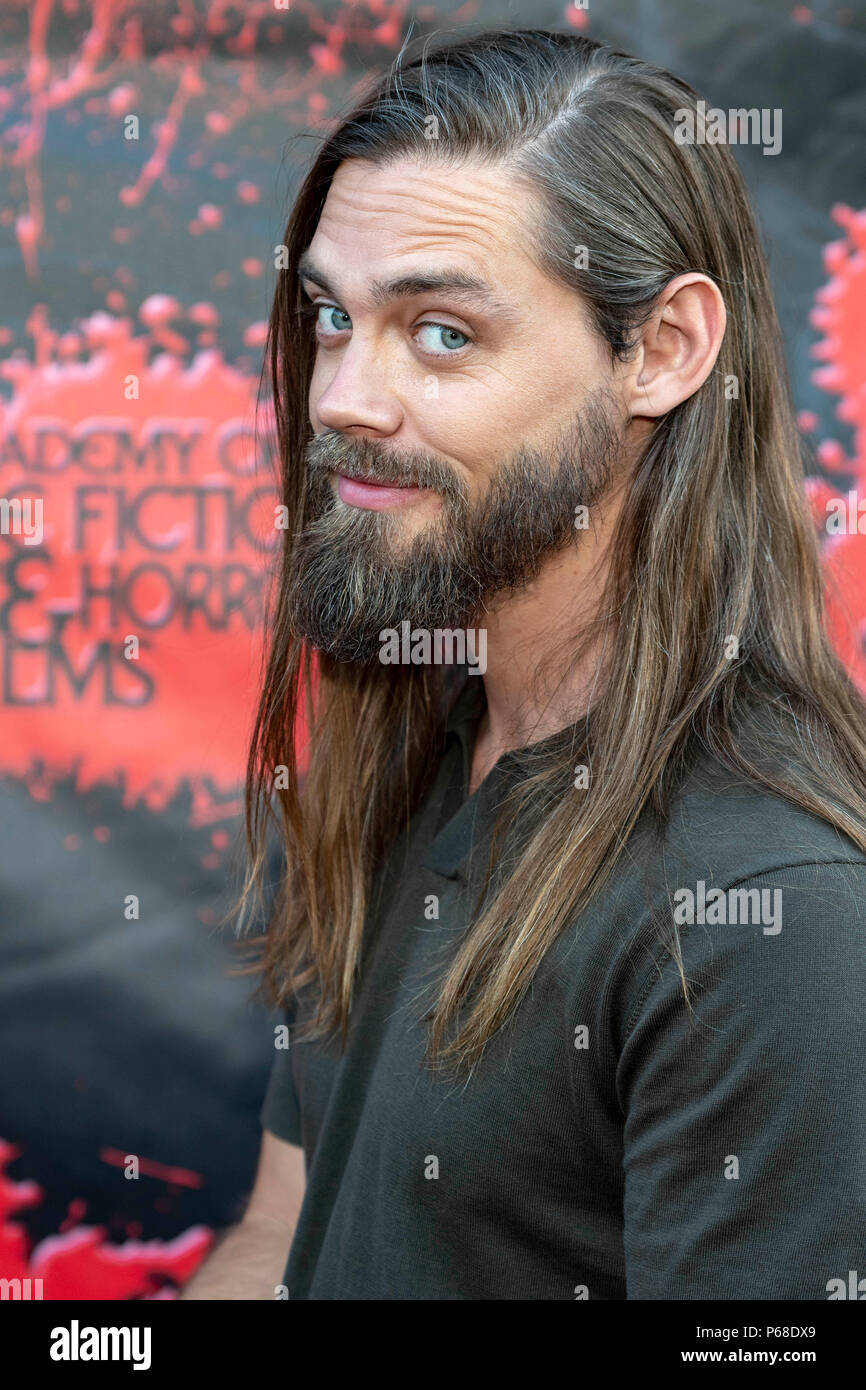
[570, 933]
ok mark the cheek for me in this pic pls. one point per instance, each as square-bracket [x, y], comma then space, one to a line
[474, 429]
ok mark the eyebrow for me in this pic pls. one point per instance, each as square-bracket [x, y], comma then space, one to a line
[453, 280]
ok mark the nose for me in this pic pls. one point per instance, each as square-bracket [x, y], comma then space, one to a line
[356, 397]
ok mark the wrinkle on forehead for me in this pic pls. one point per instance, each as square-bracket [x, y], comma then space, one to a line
[407, 203]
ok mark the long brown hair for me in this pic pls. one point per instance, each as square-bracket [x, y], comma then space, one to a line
[715, 540]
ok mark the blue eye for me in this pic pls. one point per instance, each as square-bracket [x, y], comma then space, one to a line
[332, 314]
[448, 335]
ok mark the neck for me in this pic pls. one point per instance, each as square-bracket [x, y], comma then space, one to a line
[540, 674]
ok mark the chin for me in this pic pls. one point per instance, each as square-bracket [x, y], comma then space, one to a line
[416, 516]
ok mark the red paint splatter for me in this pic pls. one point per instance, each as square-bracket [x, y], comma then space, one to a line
[181, 1177]
[80, 1263]
[94, 84]
[75, 1214]
[577, 16]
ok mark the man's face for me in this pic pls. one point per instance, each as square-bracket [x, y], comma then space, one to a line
[449, 366]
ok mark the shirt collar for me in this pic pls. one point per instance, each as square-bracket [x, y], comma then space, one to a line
[450, 852]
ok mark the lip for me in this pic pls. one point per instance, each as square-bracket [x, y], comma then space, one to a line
[377, 497]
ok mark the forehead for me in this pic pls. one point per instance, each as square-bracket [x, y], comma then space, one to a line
[473, 213]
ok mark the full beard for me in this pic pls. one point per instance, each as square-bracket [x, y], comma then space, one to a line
[352, 573]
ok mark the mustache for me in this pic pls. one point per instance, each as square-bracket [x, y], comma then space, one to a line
[366, 458]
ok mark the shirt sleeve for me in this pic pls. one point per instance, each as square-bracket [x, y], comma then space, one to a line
[745, 1133]
[281, 1112]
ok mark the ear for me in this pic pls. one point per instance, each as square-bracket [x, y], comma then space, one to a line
[678, 346]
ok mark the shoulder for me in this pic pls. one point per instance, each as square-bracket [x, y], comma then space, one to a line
[743, 896]
[724, 830]
[738, 829]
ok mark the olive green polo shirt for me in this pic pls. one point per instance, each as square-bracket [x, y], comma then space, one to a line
[603, 1148]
